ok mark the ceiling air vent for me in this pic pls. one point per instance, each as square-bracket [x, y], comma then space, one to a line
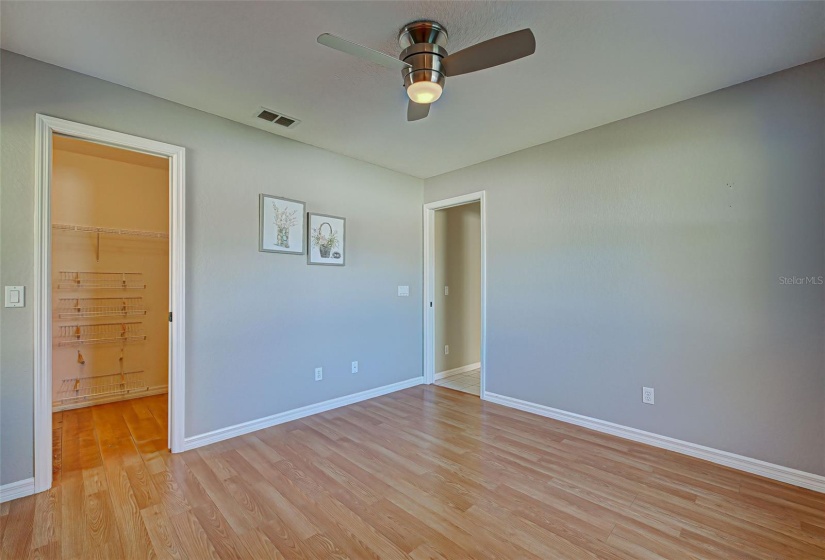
[267, 115]
[274, 117]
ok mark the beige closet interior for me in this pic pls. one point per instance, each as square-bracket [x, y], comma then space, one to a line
[110, 273]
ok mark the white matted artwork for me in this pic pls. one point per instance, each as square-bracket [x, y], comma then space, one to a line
[282, 225]
[327, 243]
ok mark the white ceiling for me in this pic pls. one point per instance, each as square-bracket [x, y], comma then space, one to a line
[595, 63]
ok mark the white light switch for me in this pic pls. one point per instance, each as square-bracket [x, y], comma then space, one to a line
[446, 290]
[15, 296]
[403, 291]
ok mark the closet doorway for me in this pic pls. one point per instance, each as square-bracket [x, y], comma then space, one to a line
[454, 303]
[109, 299]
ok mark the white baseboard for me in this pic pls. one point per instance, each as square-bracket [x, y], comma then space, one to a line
[255, 425]
[754, 466]
[456, 371]
[157, 390]
[14, 490]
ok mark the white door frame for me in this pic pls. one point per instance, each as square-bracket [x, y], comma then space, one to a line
[46, 126]
[429, 282]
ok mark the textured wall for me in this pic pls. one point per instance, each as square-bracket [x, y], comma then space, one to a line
[257, 323]
[458, 266]
[651, 251]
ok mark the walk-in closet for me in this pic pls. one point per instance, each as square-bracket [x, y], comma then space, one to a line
[110, 295]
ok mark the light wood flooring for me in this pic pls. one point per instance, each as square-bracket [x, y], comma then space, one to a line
[423, 473]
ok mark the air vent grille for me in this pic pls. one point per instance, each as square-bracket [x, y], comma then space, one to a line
[267, 116]
[274, 117]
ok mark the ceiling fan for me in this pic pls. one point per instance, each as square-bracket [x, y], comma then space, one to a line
[425, 63]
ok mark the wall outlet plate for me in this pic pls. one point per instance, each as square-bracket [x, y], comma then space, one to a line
[446, 290]
[319, 374]
[403, 291]
[647, 395]
[446, 349]
[354, 367]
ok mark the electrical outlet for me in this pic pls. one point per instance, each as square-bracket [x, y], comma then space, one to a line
[446, 290]
[446, 349]
[319, 374]
[354, 367]
[647, 395]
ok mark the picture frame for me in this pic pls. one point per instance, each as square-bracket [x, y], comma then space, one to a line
[281, 225]
[326, 239]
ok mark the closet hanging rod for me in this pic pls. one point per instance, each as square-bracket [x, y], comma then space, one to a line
[115, 231]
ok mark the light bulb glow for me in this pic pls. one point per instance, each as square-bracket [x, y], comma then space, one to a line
[424, 92]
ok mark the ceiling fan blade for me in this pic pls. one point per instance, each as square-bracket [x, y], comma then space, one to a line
[417, 111]
[361, 51]
[492, 52]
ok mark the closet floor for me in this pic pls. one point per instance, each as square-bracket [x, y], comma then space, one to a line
[84, 437]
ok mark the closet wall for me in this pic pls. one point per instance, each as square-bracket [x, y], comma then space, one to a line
[100, 186]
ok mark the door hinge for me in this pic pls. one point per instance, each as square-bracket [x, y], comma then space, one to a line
[170, 316]
[431, 304]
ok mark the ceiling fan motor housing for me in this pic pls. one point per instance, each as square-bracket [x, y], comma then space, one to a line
[423, 43]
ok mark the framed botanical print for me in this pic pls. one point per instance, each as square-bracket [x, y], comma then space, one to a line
[327, 239]
[282, 228]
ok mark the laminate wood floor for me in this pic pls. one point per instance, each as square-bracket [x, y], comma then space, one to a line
[423, 473]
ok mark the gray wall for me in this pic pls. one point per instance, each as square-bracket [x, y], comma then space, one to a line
[649, 252]
[646, 252]
[257, 323]
[458, 266]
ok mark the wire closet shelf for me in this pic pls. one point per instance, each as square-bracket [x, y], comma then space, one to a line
[104, 333]
[79, 389]
[73, 280]
[69, 308]
[112, 231]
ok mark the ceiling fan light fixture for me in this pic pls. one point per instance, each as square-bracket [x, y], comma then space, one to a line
[424, 85]
[425, 62]
[424, 92]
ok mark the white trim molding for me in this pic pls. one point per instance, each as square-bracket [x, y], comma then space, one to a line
[740, 462]
[429, 281]
[45, 127]
[295, 414]
[14, 490]
[456, 371]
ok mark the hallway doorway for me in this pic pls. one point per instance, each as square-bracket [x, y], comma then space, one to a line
[454, 302]
[457, 297]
